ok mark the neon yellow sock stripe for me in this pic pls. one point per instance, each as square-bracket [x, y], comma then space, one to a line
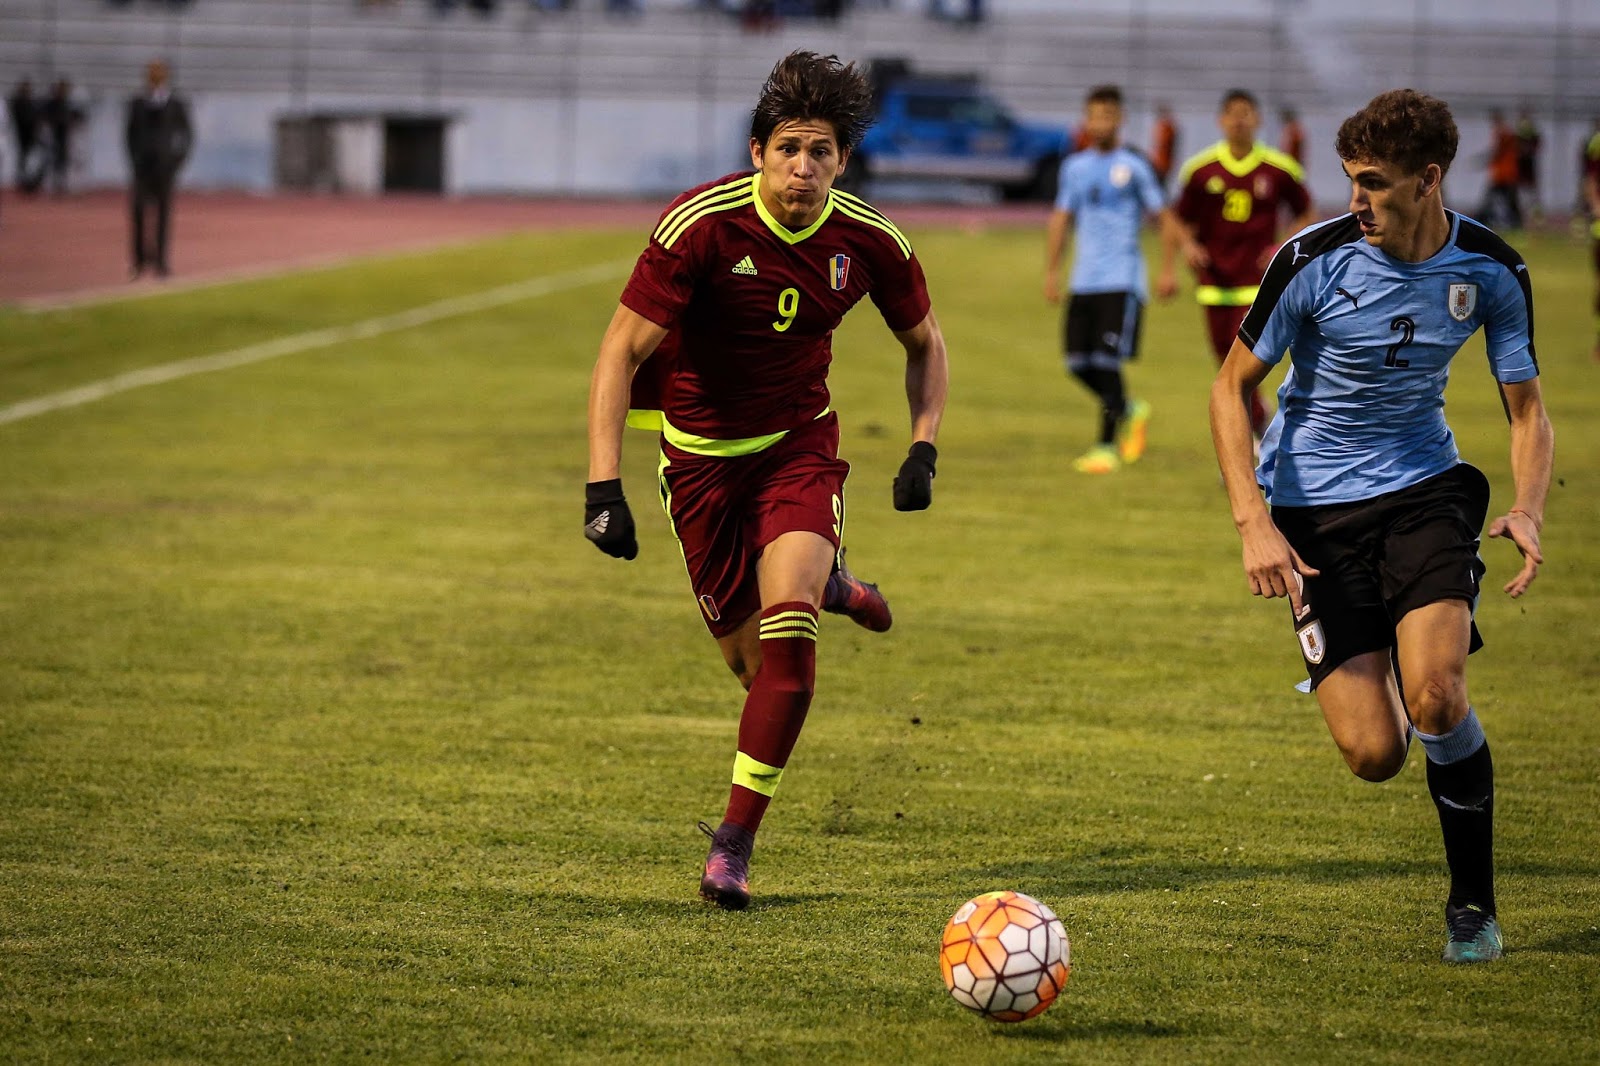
[694, 203]
[1223, 296]
[796, 633]
[756, 775]
[851, 211]
[789, 614]
[683, 227]
[803, 626]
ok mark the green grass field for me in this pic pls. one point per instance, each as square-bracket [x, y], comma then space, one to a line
[324, 734]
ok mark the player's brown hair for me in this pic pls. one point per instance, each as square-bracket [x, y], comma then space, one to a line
[1403, 127]
[1239, 94]
[1104, 94]
[805, 85]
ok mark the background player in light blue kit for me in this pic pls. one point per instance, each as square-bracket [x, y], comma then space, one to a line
[1374, 522]
[1106, 191]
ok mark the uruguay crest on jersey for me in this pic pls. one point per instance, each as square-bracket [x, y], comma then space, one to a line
[1463, 300]
[838, 271]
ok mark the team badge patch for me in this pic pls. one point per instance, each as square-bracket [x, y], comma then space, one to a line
[1121, 174]
[1463, 300]
[709, 606]
[1263, 187]
[1312, 643]
[838, 271]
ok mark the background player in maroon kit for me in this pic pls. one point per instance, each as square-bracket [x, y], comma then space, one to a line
[727, 321]
[1230, 200]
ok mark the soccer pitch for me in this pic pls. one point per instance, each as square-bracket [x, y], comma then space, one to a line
[325, 735]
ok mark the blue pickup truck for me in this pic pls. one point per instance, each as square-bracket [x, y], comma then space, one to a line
[945, 127]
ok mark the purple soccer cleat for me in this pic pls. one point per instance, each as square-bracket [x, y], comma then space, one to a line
[726, 881]
[857, 600]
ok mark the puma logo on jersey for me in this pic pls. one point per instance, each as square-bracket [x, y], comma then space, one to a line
[1348, 295]
[1298, 254]
[745, 266]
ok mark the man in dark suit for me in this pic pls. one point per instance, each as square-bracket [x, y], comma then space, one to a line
[159, 138]
[24, 112]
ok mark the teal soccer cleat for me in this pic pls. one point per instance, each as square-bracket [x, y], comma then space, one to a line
[1474, 935]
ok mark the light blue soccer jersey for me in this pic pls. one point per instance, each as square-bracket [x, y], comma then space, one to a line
[1109, 194]
[1361, 412]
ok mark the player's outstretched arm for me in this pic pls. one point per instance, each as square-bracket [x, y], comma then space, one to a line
[1272, 567]
[1055, 247]
[1533, 444]
[628, 342]
[927, 385]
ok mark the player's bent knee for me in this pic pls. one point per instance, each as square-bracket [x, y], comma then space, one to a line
[1438, 703]
[1375, 762]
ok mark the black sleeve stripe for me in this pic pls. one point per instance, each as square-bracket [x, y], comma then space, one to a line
[1475, 237]
[1293, 257]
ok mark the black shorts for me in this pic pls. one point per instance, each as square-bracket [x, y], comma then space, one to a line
[1384, 557]
[1101, 330]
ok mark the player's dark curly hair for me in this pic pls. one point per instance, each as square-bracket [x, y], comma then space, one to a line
[1104, 94]
[1403, 127]
[805, 85]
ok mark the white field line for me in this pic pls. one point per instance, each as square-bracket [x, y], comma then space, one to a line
[295, 343]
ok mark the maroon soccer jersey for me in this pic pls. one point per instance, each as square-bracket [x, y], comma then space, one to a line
[1233, 205]
[751, 306]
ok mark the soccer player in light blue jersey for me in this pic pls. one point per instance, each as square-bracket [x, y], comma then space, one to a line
[1374, 521]
[1106, 191]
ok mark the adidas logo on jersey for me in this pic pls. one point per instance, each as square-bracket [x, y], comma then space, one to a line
[745, 266]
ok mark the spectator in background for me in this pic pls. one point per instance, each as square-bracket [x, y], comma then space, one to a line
[159, 138]
[1528, 138]
[24, 112]
[1163, 142]
[61, 117]
[1292, 135]
[1500, 207]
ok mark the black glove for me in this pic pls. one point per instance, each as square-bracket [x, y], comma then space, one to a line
[913, 488]
[607, 520]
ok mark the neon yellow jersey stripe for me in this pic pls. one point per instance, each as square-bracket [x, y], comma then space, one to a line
[866, 219]
[694, 203]
[1218, 296]
[712, 446]
[639, 418]
[683, 227]
[871, 218]
[1194, 163]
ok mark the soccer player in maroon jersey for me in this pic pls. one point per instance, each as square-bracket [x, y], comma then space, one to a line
[1230, 200]
[723, 340]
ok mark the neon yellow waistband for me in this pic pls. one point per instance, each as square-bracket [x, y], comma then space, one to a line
[712, 446]
[1219, 296]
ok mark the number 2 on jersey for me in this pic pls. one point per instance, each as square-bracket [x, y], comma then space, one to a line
[788, 307]
[1409, 326]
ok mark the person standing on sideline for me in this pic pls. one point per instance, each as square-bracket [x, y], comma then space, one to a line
[1374, 518]
[158, 139]
[1291, 135]
[62, 117]
[1501, 206]
[1106, 191]
[23, 111]
[722, 343]
[1231, 199]
[1164, 144]
[1528, 141]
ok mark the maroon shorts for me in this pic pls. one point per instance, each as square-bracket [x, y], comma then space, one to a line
[1223, 324]
[725, 511]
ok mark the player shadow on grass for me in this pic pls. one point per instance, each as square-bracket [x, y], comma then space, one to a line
[1075, 1031]
[655, 908]
[1580, 942]
[1118, 870]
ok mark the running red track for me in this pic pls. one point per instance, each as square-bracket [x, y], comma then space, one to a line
[74, 249]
